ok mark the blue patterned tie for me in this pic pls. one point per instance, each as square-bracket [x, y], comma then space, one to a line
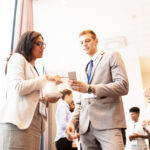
[89, 68]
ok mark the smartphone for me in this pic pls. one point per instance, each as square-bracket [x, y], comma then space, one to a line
[72, 76]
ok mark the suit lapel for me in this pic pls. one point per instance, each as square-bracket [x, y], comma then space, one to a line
[33, 70]
[99, 57]
[85, 77]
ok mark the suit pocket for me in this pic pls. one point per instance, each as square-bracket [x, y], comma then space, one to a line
[110, 100]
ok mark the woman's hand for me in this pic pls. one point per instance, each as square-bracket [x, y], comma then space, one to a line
[56, 79]
[51, 99]
[134, 136]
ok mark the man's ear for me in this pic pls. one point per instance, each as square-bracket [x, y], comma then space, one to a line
[96, 40]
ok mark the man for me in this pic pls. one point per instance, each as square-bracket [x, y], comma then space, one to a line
[137, 136]
[99, 110]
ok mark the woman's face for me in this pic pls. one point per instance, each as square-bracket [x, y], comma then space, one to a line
[72, 106]
[38, 48]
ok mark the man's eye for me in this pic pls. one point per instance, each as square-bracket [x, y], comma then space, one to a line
[87, 41]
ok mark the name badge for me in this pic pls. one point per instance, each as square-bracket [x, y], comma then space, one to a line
[42, 109]
[134, 143]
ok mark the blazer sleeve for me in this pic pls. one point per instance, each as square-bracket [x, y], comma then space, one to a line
[16, 76]
[76, 113]
[75, 116]
[119, 85]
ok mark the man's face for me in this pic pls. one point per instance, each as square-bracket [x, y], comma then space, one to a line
[134, 116]
[88, 44]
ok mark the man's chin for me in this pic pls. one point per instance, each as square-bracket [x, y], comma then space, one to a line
[87, 52]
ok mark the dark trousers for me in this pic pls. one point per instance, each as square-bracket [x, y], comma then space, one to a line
[123, 131]
[149, 140]
[63, 144]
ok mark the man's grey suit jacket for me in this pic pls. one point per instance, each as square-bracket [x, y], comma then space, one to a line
[110, 81]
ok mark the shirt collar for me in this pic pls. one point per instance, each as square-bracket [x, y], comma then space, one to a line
[62, 101]
[95, 56]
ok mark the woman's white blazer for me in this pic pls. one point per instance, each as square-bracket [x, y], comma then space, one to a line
[22, 93]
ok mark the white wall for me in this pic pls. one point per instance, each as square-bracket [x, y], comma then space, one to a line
[60, 22]
[6, 23]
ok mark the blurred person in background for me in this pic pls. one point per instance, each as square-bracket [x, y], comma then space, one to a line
[137, 136]
[146, 122]
[63, 115]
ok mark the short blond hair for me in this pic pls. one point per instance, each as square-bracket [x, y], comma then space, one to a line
[88, 32]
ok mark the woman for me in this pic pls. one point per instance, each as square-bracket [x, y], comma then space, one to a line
[63, 115]
[22, 115]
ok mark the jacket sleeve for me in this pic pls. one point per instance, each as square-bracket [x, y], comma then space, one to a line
[75, 116]
[119, 85]
[17, 79]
